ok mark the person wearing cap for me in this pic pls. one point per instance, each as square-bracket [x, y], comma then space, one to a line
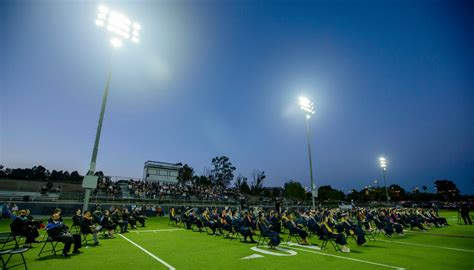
[57, 231]
[23, 227]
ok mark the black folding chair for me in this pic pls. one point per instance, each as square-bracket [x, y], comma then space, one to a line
[9, 250]
[53, 244]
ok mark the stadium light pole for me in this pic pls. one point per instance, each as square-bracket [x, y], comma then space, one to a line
[383, 165]
[307, 106]
[120, 28]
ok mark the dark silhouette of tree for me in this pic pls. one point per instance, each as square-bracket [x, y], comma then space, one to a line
[424, 188]
[328, 193]
[75, 177]
[185, 174]
[222, 172]
[396, 192]
[446, 189]
[257, 182]
[294, 190]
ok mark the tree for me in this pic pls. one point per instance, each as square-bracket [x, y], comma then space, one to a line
[202, 180]
[446, 189]
[424, 188]
[185, 174]
[38, 173]
[396, 192]
[75, 177]
[328, 193]
[257, 182]
[294, 190]
[244, 187]
[238, 181]
[223, 171]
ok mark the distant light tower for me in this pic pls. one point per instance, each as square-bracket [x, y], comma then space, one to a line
[120, 28]
[377, 182]
[383, 165]
[307, 106]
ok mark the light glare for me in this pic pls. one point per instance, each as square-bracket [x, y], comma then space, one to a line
[117, 43]
[103, 9]
[99, 23]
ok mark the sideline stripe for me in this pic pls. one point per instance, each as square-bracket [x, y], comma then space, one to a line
[439, 234]
[163, 230]
[347, 258]
[430, 246]
[149, 253]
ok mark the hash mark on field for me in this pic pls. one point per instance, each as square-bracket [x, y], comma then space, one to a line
[430, 246]
[149, 253]
[347, 258]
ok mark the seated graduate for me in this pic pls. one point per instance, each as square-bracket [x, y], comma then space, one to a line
[352, 229]
[89, 226]
[130, 219]
[137, 214]
[107, 224]
[241, 228]
[267, 232]
[275, 223]
[117, 218]
[77, 218]
[37, 223]
[22, 226]
[175, 218]
[57, 231]
[339, 237]
[293, 228]
[208, 222]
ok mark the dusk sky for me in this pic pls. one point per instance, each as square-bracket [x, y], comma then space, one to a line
[211, 78]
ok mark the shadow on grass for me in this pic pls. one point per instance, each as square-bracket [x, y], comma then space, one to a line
[52, 257]
[373, 246]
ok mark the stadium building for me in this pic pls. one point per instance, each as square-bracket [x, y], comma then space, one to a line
[162, 172]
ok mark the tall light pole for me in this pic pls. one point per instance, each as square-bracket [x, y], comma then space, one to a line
[307, 106]
[120, 28]
[377, 182]
[383, 165]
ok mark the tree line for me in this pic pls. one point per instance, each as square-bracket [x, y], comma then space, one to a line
[221, 173]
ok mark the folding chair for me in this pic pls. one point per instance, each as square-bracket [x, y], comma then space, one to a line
[327, 238]
[5, 238]
[380, 229]
[53, 246]
[292, 233]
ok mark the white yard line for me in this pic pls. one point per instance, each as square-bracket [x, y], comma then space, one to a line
[430, 246]
[149, 253]
[347, 258]
[162, 230]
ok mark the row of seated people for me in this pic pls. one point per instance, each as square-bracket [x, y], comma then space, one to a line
[219, 222]
[336, 224]
[108, 222]
[26, 226]
[270, 225]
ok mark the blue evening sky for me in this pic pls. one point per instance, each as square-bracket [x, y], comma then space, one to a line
[211, 78]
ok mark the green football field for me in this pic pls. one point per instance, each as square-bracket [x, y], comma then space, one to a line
[159, 246]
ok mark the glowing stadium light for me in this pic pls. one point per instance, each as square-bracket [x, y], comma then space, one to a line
[306, 105]
[118, 25]
[383, 165]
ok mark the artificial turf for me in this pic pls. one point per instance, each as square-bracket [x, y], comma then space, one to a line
[450, 247]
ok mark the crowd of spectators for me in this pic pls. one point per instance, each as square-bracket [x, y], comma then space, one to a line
[109, 187]
[156, 190]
